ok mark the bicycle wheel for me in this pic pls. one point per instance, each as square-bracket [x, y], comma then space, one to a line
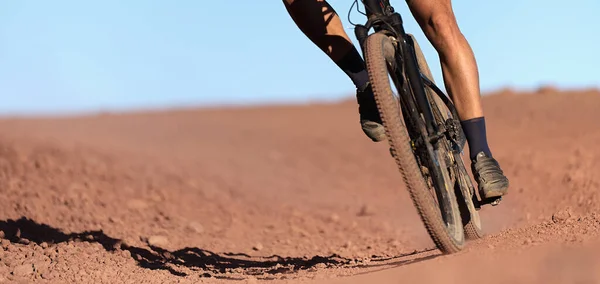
[463, 185]
[420, 170]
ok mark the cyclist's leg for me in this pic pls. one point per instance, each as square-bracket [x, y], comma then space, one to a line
[459, 67]
[321, 24]
[461, 79]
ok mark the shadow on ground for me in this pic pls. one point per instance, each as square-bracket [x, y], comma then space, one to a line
[208, 263]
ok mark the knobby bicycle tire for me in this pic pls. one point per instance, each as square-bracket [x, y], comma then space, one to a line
[378, 47]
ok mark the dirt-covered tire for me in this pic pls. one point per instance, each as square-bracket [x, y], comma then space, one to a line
[379, 50]
[471, 220]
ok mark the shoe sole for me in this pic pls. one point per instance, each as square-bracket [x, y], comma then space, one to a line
[495, 193]
[377, 135]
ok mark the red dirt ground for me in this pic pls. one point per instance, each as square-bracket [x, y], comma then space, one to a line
[287, 193]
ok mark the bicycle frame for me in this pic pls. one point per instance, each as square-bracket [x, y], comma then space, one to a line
[382, 17]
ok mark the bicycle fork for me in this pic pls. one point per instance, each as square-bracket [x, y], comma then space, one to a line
[384, 18]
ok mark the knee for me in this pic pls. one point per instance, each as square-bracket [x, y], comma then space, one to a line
[442, 30]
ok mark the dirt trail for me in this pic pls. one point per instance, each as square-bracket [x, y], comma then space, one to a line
[292, 194]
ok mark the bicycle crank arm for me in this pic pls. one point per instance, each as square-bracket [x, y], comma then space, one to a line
[494, 201]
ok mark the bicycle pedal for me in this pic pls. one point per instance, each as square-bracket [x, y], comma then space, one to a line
[494, 201]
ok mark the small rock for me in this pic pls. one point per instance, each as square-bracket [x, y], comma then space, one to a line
[365, 210]
[23, 270]
[158, 241]
[5, 243]
[114, 220]
[561, 216]
[528, 242]
[258, 247]
[347, 244]
[49, 275]
[24, 241]
[44, 245]
[320, 265]
[490, 246]
[156, 198]
[195, 227]
[2, 235]
[168, 255]
[300, 231]
[126, 253]
[334, 218]
[9, 261]
[40, 267]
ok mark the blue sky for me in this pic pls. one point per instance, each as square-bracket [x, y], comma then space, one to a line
[73, 55]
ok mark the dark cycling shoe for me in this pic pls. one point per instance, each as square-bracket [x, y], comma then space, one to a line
[370, 120]
[489, 176]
